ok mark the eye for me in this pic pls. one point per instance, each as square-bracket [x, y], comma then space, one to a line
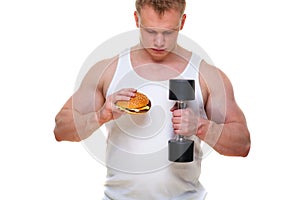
[150, 31]
[168, 32]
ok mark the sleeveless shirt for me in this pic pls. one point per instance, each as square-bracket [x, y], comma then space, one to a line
[137, 145]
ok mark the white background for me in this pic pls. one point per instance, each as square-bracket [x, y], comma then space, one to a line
[43, 45]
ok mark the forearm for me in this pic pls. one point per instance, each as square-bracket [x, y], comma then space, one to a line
[74, 126]
[230, 139]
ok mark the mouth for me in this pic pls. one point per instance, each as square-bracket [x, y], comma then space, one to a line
[158, 50]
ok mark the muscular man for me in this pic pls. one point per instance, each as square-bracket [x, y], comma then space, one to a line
[214, 117]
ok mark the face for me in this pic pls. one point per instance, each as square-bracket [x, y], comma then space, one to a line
[159, 32]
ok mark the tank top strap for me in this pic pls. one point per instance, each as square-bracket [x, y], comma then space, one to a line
[123, 67]
[192, 69]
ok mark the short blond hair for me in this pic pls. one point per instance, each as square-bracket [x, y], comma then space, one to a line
[160, 6]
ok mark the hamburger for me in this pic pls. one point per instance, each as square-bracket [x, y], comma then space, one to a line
[136, 105]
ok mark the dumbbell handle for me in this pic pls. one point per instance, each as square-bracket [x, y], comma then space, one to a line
[181, 105]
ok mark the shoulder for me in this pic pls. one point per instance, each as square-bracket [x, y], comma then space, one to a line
[213, 81]
[212, 75]
[100, 74]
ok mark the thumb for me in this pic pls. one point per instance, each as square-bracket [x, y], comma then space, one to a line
[174, 107]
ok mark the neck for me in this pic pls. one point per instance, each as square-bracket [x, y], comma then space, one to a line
[176, 61]
[173, 55]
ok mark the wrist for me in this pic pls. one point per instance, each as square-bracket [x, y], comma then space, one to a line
[101, 117]
[209, 131]
[203, 127]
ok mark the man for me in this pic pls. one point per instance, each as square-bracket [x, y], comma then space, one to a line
[214, 117]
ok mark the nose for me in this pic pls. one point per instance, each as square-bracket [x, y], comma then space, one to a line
[159, 40]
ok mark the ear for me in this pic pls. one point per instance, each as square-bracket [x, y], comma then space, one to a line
[182, 21]
[136, 18]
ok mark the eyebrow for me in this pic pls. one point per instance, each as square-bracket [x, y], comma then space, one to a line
[175, 28]
[153, 27]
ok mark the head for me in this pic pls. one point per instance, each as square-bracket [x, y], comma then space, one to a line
[160, 6]
[160, 22]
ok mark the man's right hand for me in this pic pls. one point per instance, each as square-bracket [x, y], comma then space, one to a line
[109, 111]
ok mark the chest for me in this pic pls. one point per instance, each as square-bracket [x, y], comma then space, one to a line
[167, 69]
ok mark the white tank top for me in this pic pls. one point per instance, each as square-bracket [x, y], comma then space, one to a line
[137, 145]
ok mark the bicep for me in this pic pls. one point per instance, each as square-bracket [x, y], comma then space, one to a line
[89, 96]
[221, 106]
[233, 112]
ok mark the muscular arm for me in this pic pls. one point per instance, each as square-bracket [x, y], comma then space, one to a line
[226, 128]
[88, 108]
[71, 125]
[78, 118]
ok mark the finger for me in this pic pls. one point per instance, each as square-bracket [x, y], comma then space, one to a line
[130, 92]
[177, 113]
[178, 132]
[123, 95]
[117, 111]
[174, 108]
[176, 126]
[120, 98]
[176, 120]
